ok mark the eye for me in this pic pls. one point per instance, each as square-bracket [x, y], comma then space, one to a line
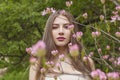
[55, 26]
[66, 26]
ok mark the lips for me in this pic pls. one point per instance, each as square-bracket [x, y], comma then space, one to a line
[60, 38]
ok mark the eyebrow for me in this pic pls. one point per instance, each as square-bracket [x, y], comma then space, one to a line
[58, 24]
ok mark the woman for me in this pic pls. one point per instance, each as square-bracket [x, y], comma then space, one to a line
[57, 36]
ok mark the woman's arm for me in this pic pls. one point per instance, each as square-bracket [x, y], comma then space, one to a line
[32, 72]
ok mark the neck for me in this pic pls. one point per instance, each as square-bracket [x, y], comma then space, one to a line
[63, 50]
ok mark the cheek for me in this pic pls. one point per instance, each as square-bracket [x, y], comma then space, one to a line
[54, 34]
[69, 35]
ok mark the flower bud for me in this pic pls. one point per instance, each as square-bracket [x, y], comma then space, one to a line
[102, 17]
[102, 1]
[107, 47]
[85, 15]
[69, 3]
[62, 57]
[117, 34]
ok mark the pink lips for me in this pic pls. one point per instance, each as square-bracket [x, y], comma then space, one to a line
[60, 38]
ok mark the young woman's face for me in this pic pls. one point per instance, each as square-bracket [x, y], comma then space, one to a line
[60, 31]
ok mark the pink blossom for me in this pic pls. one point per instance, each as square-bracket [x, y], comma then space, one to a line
[111, 59]
[28, 50]
[108, 47]
[115, 12]
[74, 50]
[117, 34]
[74, 35]
[96, 34]
[71, 27]
[53, 10]
[105, 57]
[50, 64]
[94, 74]
[99, 50]
[103, 76]
[69, 3]
[85, 58]
[118, 8]
[38, 49]
[98, 74]
[115, 17]
[78, 35]
[70, 44]
[102, 17]
[54, 52]
[42, 70]
[48, 11]
[91, 54]
[118, 63]
[113, 75]
[85, 15]
[43, 13]
[33, 60]
[62, 12]
[61, 57]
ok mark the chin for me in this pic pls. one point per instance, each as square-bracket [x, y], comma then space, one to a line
[61, 44]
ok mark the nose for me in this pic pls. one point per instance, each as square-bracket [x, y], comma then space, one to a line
[61, 32]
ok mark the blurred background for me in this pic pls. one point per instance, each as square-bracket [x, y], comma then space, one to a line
[22, 25]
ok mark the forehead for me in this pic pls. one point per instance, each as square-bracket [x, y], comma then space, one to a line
[61, 20]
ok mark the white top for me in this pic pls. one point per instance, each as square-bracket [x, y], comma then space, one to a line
[67, 72]
[66, 77]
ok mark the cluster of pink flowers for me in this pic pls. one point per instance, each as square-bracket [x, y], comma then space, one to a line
[117, 62]
[118, 8]
[78, 35]
[71, 27]
[116, 15]
[37, 50]
[113, 76]
[62, 12]
[54, 52]
[48, 11]
[117, 34]
[50, 64]
[98, 75]
[69, 3]
[105, 57]
[96, 34]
